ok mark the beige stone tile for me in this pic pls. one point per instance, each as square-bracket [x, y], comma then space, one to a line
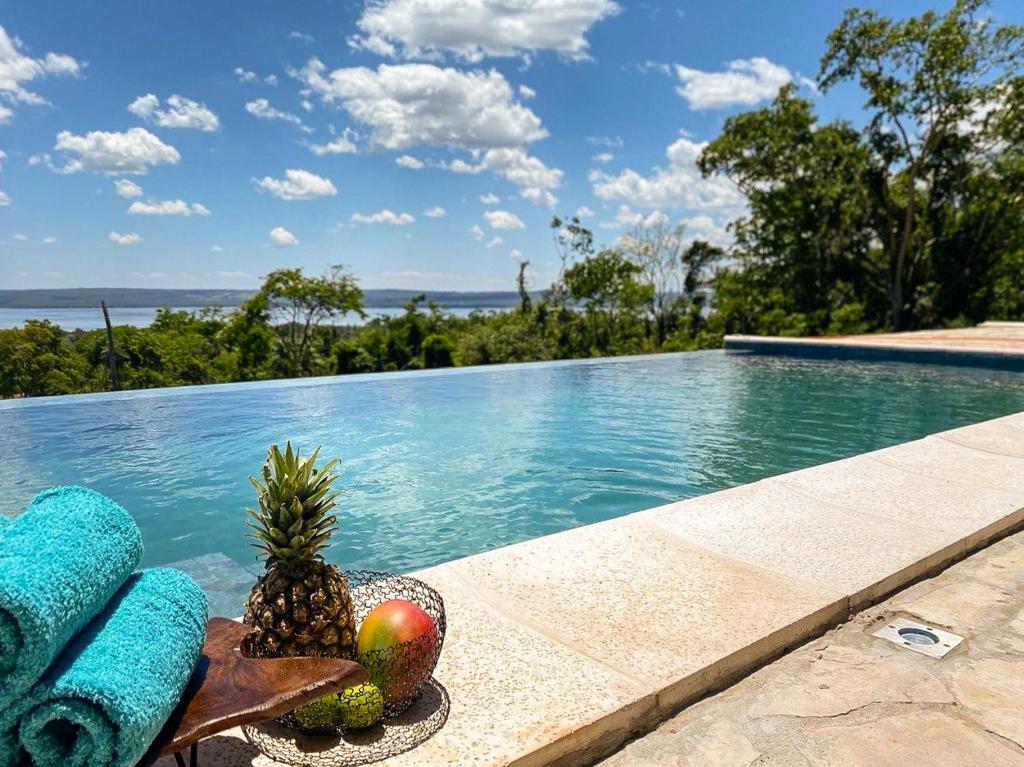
[1002, 565]
[992, 691]
[966, 510]
[843, 679]
[719, 743]
[957, 603]
[939, 458]
[1000, 435]
[920, 738]
[771, 525]
[627, 593]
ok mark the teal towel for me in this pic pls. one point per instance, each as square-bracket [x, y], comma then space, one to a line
[60, 563]
[110, 693]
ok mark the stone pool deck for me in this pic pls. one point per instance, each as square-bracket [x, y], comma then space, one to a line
[562, 648]
[851, 698]
[992, 344]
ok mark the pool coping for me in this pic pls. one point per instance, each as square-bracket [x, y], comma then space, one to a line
[562, 648]
[902, 347]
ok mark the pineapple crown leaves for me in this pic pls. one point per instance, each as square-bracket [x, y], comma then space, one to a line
[291, 524]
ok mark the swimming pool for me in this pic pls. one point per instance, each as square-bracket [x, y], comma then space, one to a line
[437, 465]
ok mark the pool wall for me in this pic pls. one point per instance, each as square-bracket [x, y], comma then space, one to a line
[563, 647]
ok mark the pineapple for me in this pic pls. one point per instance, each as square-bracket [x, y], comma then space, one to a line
[301, 606]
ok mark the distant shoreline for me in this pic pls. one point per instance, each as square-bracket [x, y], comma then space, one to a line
[145, 298]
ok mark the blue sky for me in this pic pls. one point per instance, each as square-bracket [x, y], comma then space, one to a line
[177, 143]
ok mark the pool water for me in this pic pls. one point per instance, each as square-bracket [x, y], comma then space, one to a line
[438, 465]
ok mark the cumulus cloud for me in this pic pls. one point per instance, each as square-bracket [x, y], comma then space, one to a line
[436, 212]
[383, 217]
[282, 238]
[527, 92]
[604, 157]
[130, 238]
[338, 145]
[5, 199]
[469, 110]
[133, 151]
[494, 242]
[473, 29]
[744, 82]
[127, 189]
[584, 212]
[627, 217]
[408, 161]
[677, 185]
[248, 76]
[477, 232]
[262, 109]
[534, 179]
[503, 219]
[297, 184]
[178, 112]
[167, 208]
[216, 249]
[490, 199]
[49, 240]
[18, 68]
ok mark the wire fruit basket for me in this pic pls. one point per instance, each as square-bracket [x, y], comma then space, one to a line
[415, 704]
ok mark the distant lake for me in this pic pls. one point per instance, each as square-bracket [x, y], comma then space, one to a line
[92, 319]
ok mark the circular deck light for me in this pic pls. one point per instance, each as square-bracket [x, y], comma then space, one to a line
[918, 636]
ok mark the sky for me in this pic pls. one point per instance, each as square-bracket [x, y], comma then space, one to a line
[425, 143]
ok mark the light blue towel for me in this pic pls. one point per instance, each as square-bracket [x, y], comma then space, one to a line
[60, 563]
[116, 684]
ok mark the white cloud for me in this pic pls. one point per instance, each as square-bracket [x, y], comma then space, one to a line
[515, 254]
[408, 161]
[490, 199]
[679, 185]
[503, 219]
[494, 242]
[472, 29]
[301, 36]
[338, 145]
[248, 76]
[132, 151]
[18, 68]
[21, 237]
[383, 217]
[534, 179]
[527, 92]
[627, 217]
[475, 230]
[127, 189]
[297, 184]
[49, 240]
[216, 249]
[167, 208]
[5, 199]
[584, 212]
[180, 112]
[131, 238]
[611, 142]
[262, 109]
[469, 110]
[282, 238]
[745, 82]
[436, 212]
[604, 157]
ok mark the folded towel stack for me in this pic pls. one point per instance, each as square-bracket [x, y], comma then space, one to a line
[107, 697]
[93, 659]
[61, 562]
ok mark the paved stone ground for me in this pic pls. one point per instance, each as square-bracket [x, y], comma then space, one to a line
[853, 699]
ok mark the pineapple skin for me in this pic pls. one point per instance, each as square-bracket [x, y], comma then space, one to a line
[302, 611]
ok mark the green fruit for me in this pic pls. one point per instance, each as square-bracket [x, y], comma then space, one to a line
[321, 714]
[360, 706]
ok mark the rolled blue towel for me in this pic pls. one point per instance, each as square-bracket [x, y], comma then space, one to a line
[60, 563]
[116, 684]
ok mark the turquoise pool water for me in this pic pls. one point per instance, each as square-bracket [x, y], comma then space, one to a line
[440, 465]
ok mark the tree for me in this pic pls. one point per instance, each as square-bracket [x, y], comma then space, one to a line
[935, 84]
[296, 306]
